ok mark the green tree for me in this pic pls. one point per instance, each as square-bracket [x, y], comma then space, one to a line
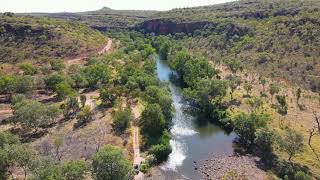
[28, 69]
[109, 95]
[122, 118]
[45, 168]
[264, 139]
[97, 73]
[31, 114]
[299, 92]
[152, 120]
[57, 64]
[154, 94]
[70, 107]
[84, 116]
[273, 89]
[246, 125]
[162, 150]
[51, 81]
[74, 170]
[291, 143]
[234, 65]
[7, 139]
[234, 82]
[83, 100]
[300, 175]
[263, 81]
[109, 163]
[21, 156]
[248, 88]
[64, 89]
[283, 109]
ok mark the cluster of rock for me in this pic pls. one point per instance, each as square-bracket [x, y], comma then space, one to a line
[233, 166]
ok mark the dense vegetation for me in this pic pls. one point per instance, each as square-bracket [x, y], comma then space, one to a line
[275, 38]
[28, 38]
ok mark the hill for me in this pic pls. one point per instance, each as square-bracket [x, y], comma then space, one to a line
[104, 18]
[39, 38]
[278, 39]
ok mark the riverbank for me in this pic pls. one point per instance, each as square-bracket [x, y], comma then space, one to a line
[232, 166]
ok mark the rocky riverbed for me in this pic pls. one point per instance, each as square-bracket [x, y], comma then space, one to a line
[239, 167]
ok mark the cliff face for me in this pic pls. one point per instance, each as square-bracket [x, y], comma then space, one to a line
[164, 27]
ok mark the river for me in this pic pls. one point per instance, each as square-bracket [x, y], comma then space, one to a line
[191, 142]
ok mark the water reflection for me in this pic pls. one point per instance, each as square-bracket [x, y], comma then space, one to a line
[191, 140]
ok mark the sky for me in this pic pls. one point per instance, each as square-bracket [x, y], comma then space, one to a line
[19, 6]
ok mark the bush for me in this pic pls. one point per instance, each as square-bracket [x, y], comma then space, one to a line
[162, 150]
[109, 163]
[64, 89]
[246, 125]
[84, 116]
[28, 69]
[57, 64]
[152, 121]
[122, 119]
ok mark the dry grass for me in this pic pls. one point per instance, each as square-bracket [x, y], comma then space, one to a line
[300, 120]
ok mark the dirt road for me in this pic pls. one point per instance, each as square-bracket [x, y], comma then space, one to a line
[81, 59]
[137, 159]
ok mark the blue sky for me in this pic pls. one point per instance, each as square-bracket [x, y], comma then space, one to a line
[86, 5]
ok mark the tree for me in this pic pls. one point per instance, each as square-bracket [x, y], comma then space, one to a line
[45, 168]
[264, 140]
[74, 170]
[97, 73]
[53, 112]
[263, 81]
[273, 89]
[234, 65]
[84, 116]
[122, 118]
[109, 163]
[234, 82]
[31, 114]
[7, 139]
[64, 89]
[299, 91]
[28, 69]
[109, 95]
[71, 107]
[291, 143]
[57, 144]
[162, 150]
[246, 125]
[248, 88]
[83, 100]
[152, 120]
[21, 156]
[154, 94]
[51, 81]
[283, 109]
[57, 64]
[255, 103]
[300, 175]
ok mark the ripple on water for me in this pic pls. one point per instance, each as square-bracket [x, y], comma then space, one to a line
[176, 157]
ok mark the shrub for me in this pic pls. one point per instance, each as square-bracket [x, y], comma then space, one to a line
[28, 69]
[57, 64]
[122, 118]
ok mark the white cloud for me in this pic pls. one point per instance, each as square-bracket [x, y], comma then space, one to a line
[86, 5]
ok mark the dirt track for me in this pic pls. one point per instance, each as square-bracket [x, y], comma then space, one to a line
[81, 58]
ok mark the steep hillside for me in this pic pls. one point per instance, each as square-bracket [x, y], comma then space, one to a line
[29, 38]
[277, 38]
